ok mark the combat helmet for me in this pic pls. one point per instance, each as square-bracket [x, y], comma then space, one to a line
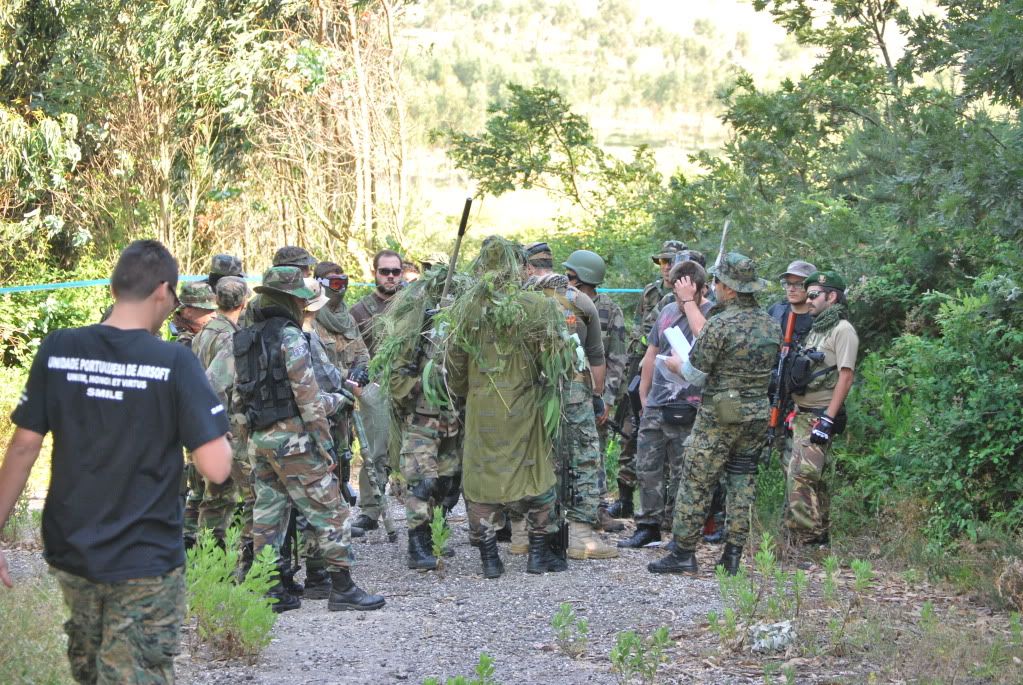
[588, 266]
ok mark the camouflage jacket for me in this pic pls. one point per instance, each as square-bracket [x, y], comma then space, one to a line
[736, 351]
[343, 342]
[612, 328]
[365, 312]
[213, 337]
[294, 435]
[579, 310]
[646, 314]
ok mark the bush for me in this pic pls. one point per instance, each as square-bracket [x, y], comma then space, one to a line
[235, 619]
[34, 643]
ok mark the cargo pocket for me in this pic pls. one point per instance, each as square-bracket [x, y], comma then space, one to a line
[728, 407]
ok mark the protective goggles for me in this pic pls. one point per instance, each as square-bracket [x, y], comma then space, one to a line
[335, 283]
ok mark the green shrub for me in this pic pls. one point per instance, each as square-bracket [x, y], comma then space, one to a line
[636, 656]
[484, 674]
[34, 644]
[235, 619]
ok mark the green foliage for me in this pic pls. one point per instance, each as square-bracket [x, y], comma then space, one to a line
[484, 674]
[637, 656]
[33, 611]
[234, 619]
[440, 533]
[571, 633]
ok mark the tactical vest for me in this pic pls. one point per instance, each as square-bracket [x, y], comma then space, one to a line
[262, 375]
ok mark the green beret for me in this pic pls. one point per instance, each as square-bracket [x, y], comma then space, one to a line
[828, 279]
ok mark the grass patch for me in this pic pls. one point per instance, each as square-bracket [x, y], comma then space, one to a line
[34, 648]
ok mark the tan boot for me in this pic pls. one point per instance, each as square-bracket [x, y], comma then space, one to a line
[520, 541]
[584, 543]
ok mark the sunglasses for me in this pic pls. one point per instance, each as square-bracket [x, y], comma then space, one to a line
[814, 295]
[335, 283]
[389, 272]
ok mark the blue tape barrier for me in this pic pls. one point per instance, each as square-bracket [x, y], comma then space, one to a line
[40, 287]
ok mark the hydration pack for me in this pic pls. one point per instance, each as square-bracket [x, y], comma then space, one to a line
[261, 373]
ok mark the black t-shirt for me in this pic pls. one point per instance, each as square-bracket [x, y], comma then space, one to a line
[120, 404]
[780, 312]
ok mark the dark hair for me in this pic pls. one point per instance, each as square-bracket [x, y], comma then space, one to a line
[324, 268]
[691, 269]
[385, 253]
[141, 268]
[841, 294]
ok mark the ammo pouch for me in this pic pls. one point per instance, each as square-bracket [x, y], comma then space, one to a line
[800, 370]
[679, 413]
[727, 407]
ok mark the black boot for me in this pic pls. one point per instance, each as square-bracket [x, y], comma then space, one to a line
[731, 558]
[189, 542]
[420, 550]
[504, 534]
[365, 523]
[357, 532]
[644, 535]
[622, 508]
[492, 566]
[679, 561]
[287, 575]
[345, 595]
[285, 600]
[542, 557]
[317, 584]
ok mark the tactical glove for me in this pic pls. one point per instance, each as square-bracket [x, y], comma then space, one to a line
[598, 405]
[820, 433]
[359, 375]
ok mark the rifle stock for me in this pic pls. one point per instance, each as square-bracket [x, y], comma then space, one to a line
[780, 397]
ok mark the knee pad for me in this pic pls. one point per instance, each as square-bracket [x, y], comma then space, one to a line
[423, 490]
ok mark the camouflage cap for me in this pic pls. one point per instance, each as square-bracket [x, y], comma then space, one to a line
[739, 273]
[197, 294]
[290, 255]
[827, 279]
[668, 250]
[226, 265]
[231, 292]
[285, 279]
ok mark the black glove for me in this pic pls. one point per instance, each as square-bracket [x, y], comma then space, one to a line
[598, 405]
[359, 375]
[822, 429]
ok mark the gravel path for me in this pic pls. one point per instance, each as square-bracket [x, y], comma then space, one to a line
[437, 625]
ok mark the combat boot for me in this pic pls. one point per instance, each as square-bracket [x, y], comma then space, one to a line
[317, 584]
[286, 572]
[285, 600]
[644, 535]
[345, 595]
[731, 558]
[679, 561]
[519, 540]
[365, 523]
[584, 543]
[420, 551]
[504, 533]
[622, 507]
[606, 522]
[542, 558]
[491, 558]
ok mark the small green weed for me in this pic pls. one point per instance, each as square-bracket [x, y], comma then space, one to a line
[440, 533]
[571, 633]
[484, 674]
[634, 656]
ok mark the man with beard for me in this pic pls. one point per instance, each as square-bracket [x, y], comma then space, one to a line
[387, 270]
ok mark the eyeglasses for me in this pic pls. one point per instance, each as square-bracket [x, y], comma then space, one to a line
[792, 285]
[335, 283]
[814, 295]
[389, 272]
[664, 262]
[174, 294]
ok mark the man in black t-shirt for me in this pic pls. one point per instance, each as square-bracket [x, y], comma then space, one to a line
[795, 299]
[120, 404]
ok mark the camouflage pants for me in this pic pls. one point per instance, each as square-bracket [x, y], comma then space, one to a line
[220, 501]
[376, 418]
[539, 511]
[195, 490]
[579, 444]
[808, 504]
[659, 460]
[308, 480]
[711, 447]
[430, 459]
[123, 632]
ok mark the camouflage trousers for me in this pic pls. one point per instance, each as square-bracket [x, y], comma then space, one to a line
[485, 519]
[627, 459]
[430, 462]
[808, 504]
[712, 446]
[307, 480]
[123, 632]
[579, 444]
[659, 457]
[195, 489]
[212, 505]
[375, 412]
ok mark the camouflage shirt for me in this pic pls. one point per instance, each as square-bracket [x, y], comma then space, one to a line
[612, 328]
[364, 312]
[344, 346]
[646, 315]
[213, 337]
[737, 350]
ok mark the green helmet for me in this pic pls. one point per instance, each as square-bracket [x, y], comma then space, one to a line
[588, 265]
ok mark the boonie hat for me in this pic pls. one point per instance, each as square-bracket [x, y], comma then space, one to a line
[290, 255]
[197, 294]
[739, 273]
[226, 265]
[316, 302]
[828, 279]
[799, 268]
[287, 280]
[231, 292]
[668, 250]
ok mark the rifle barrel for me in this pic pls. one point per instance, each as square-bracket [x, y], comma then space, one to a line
[462, 225]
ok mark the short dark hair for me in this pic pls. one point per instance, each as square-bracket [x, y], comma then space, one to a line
[141, 268]
[324, 268]
[385, 253]
[841, 299]
[692, 269]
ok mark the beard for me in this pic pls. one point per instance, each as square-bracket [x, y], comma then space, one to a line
[388, 288]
